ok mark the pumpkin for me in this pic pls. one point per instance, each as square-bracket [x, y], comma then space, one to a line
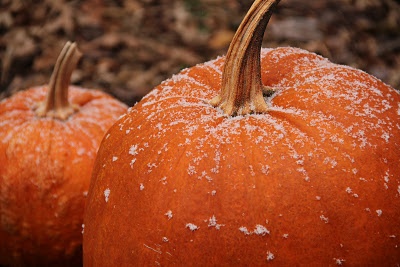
[47, 149]
[294, 161]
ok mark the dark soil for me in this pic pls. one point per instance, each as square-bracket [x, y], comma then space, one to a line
[130, 46]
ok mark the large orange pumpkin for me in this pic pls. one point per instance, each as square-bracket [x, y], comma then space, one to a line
[307, 174]
[47, 150]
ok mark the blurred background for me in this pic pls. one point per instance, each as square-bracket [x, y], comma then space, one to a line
[130, 46]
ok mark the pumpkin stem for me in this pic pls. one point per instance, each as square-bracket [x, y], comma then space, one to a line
[242, 89]
[56, 104]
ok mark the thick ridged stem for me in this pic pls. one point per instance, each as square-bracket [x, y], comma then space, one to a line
[56, 104]
[242, 89]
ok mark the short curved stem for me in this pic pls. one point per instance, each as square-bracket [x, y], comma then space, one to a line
[242, 89]
[56, 104]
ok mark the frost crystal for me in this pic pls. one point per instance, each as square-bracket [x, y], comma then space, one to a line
[339, 261]
[244, 230]
[324, 219]
[106, 194]
[212, 222]
[164, 180]
[265, 169]
[386, 177]
[141, 187]
[192, 227]
[385, 136]
[379, 212]
[270, 256]
[133, 150]
[191, 170]
[169, 215]
[261, 230]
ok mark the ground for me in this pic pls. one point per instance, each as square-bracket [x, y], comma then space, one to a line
[130, 46]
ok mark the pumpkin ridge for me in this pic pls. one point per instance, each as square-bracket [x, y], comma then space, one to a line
[82, 97]
[82, 132]
[314, 138]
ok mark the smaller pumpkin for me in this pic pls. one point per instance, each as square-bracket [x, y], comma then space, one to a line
[47, 149]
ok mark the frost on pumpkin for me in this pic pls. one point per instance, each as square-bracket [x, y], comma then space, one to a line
[192, 227]
[244, 230]
[258, 230]
[169, 214]
[270, 256]
[324, 219]
[107, 194]
[164, 180]
[350, 191]
[133, 150]
[379, 212]
[339, 261]
[212, 222]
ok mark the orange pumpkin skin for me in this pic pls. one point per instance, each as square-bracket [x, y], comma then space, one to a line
[315, 181]
[45, 169]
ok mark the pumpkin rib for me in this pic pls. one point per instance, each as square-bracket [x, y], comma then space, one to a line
[308, 134]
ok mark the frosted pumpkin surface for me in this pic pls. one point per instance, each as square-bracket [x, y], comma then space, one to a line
[324, 161]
